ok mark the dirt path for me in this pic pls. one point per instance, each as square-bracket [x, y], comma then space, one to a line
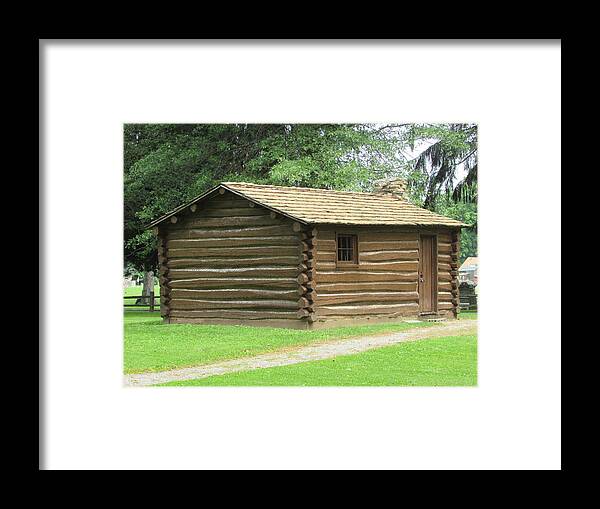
[303, 353]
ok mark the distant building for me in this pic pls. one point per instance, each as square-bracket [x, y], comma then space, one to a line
[469, 270]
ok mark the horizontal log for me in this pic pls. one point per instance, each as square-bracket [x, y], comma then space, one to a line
[235, 282]
[247, 314]
[325, 245]
[229, 222]
[176, 274]
[216, 243]
[234, 293]
[444, 286]
[392, 266]
[444, 276]
[326, 256]
[302, 278]
[376, 286]
[444, 296]
[387, 245]
[269, 261]
[346, 276]
[376, 309]
[387, 236]
[403, 265]
[254, 231]
[445, 305]
[369, 234]
[366, 297]
[444, 248]
[326, 265]
[241, 252]
[444, 259]
[370, 256]
[232, 304]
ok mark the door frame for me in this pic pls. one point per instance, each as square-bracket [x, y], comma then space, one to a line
[434, 271]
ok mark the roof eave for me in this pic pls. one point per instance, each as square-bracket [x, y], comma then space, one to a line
[205, 195]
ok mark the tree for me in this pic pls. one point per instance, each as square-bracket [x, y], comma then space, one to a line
[465, 211]
[434, 179]
[434, 170]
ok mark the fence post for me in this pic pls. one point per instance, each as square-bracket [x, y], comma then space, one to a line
[151, 301]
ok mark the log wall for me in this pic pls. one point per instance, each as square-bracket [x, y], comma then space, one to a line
[229, 261]
[448, 251]
[384, 284]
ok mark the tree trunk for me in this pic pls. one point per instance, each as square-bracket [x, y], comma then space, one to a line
[148, 287]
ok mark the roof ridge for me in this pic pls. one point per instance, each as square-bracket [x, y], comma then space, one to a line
[299, 188]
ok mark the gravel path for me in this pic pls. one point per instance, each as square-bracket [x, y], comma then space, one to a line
[306, 353]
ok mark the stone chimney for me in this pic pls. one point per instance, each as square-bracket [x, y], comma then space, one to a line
[397, 187]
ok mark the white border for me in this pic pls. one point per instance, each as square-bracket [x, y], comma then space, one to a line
[512, 420]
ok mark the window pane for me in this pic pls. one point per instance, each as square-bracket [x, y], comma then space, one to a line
[346, 248]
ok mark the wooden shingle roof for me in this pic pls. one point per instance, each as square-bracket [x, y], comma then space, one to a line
[325, 206]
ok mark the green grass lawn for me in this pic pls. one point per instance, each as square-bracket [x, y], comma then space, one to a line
[467, 315]
[151, 345]
[449, 361]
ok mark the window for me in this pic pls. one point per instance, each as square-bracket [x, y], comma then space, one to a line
[347, 250]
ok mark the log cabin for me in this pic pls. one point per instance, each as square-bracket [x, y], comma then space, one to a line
[294, 257]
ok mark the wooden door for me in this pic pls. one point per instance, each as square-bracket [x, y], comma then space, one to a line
[428, 274]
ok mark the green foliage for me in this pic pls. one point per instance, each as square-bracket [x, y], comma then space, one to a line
[465, 211]
[450, 147]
